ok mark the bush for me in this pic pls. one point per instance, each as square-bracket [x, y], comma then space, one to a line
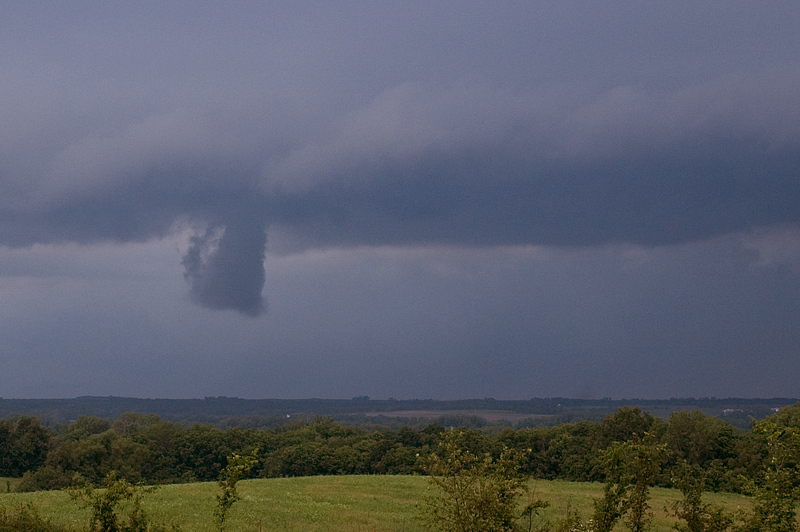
[26, 519]
[106, 503]
[46, 477]
[476, 493]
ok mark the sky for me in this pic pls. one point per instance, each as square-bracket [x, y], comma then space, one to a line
[452, 199]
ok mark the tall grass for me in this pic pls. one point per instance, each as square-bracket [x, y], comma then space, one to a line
[337, 503]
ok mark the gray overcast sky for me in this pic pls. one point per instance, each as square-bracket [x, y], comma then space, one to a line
[400, 199]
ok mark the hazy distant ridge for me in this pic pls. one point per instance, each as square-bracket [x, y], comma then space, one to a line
[215, 409]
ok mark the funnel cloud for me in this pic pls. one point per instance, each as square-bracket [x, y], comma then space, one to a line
[225, 268]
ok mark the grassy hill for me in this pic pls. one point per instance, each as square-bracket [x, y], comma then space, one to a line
[335, 503]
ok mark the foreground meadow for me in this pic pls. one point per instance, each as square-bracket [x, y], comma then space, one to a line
[335, 503]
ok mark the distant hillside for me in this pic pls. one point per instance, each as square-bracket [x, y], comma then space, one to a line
[363, 410]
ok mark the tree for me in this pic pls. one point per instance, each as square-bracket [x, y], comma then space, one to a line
[644, 465]
[699, 439]
[777, 494]
[238, 466]
[200, 452]
[704, 441]
[631, 468]
[626, 424]
[697, 515]
[83, 427]
[130, 423]
[612, 506]
[476, 492]
[24, 444]
[788, 416]
[95, 456]
[160, 440]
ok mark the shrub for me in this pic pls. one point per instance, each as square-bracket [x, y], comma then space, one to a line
[106, 503]
[46, 477]
[26, 519]
[476, 492]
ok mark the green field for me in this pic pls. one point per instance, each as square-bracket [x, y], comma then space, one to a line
[335, 503]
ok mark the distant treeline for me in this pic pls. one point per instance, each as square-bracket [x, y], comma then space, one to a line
[266, 413]
[145, 448]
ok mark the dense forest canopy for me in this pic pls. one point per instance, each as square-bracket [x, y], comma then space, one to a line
[143, 447]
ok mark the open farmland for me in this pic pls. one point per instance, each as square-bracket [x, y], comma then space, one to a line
[491, 416]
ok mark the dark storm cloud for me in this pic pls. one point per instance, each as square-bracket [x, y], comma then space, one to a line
[613, 125]
[626, 166]
[467, 165]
